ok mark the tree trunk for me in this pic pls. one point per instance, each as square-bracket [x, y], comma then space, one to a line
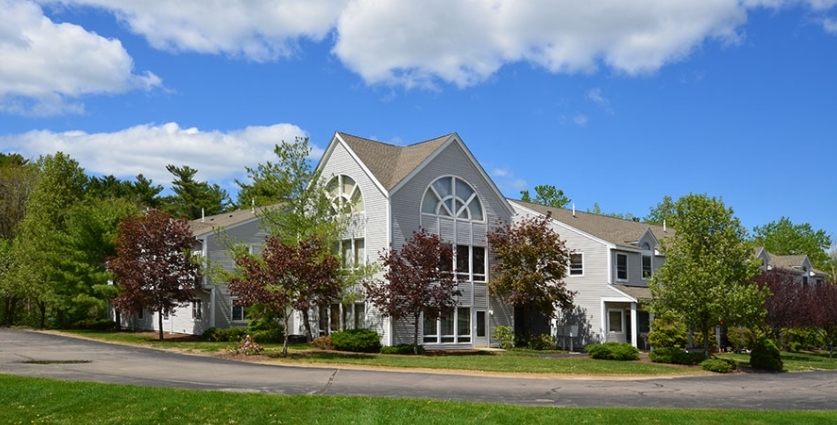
[286, 315]
[42, 312]
[160, 323]
[306, 319]
[416, 333]
[117, 320]
[706, 343]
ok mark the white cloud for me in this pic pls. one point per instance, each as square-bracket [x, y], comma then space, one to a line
[46, 67]
[830, 26]
[581, 119]
[507, 182]
[595, 96]
[147, 149]
[259, 30]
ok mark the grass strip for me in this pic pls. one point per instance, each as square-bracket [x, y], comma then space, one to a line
[48, 401]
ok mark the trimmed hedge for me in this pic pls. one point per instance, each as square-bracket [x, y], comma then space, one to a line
[357, 341]
[406, 349]
[229, 334]
[268, 335]
[673, 355]
[613, 351]
[95, 324]
[719, 365]
[766, 355]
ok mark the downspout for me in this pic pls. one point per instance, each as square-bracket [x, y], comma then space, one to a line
[634, 325]
[212, 307]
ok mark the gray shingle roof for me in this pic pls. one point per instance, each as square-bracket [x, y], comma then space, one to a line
[209, 224]
[617, 231]
[389, 163]
[641, 293]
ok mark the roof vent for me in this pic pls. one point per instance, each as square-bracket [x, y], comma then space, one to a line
[664, 226]
[203, 216]
[573, 209]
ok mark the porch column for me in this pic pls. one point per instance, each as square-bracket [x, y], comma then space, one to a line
[634, 328]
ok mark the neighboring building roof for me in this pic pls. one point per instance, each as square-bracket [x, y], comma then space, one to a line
[641, 293]
[203, 226]
[620, 232]
[390, 164]
[792, 263]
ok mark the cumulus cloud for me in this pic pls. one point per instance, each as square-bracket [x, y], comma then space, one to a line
[259, 30]
[47, 66]
[147, 149]
[830, 26]
[580, 119]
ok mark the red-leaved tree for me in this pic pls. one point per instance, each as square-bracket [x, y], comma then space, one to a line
[787, 306]
[417, 279]
[824, 308]
[532, 262]
[287, 277]
[154, 266]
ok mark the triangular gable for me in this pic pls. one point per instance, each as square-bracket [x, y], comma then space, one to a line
[454, 138]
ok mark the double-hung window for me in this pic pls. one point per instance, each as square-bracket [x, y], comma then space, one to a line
[647, 269]
[576, 264]
[622, 266]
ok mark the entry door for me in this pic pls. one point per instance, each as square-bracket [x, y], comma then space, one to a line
[480, 328]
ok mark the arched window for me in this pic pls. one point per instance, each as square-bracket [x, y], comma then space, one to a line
[452, 197]
[345, 195]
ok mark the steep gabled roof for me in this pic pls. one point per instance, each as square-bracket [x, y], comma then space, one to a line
[623, 233]
[390, 164]
[206, 225]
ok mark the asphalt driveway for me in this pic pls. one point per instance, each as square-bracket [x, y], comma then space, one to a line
[69, 358]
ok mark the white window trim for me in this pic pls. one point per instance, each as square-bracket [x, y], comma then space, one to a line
[438, 335]
[642, 265]
[232, 312]
[569, 270]
[627, 268]
[622, 314]
[199, 304]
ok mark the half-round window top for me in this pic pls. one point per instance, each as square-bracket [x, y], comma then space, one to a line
[452, 197]
[345, 195]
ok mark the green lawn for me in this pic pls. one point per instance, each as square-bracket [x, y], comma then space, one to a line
[47, 401]
[494, 361]
[794, 362]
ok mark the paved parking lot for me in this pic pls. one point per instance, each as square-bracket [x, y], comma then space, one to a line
[121, 364]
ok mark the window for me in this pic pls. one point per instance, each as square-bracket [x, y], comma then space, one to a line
[647, 270]
[576, 264]
[448, 328]
[360, 316]
[452, 197]
[622, 266]
[614, 321]
[352, 252]
[469, 261]
[345, 195]
[237, 312]
[196, 309]
[141, 313]
[340, 317]
[165, 314]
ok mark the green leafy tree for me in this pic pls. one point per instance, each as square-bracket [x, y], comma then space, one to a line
[708, 274]
[624, 216]
[192, 198]
[662, 212]
[38, 248]
[417, 281]
[154, 265]
[547, 195]
[145, 193]
[293, 202]
[532, 262]
[287, 276]
[783, 237]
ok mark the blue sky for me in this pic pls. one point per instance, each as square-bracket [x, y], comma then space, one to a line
[617, 103]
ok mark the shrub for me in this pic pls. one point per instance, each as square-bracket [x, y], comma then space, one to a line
[268, 335]
[323, 342]
[613, 351]
[804, 339]
[401, 349]
[674, 355]
[357, 340]
[506, 337]
[229, 334]
[541, 342]
[718, 365]
[741, 338]
[95, 324]
[697, 339]
[765, 355]
[667, 333]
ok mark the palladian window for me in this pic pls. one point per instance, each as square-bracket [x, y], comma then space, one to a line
[345, 195]
[452, 197]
